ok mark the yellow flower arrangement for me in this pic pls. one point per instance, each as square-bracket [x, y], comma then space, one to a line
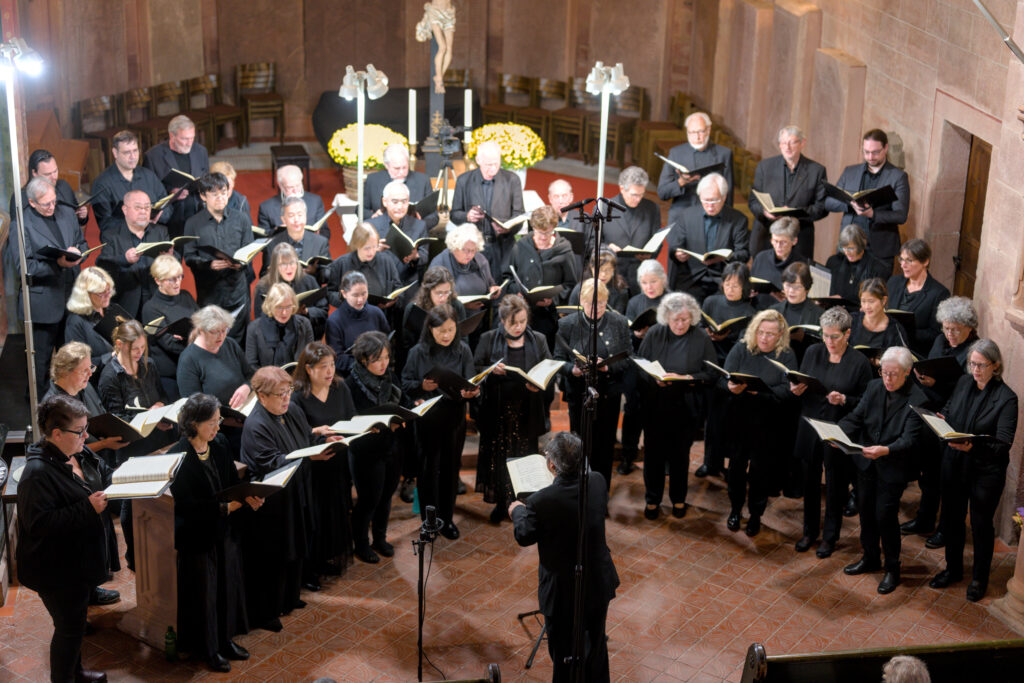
[343, 145]
[520, 146]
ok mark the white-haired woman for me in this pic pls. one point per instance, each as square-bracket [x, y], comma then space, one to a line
[365, 256]
[464, 259]
[89, 300]
[885, 421]
[673, 410]
[213, 363]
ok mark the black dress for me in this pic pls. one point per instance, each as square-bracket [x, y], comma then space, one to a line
[804, 313]
[847, 275]
[441, 432]
[555, 265]
[850, 377]
[721, 309]
[892, 335]
[165, 348]
[923, 303]
[574, 331]
[674, 413]
[211, 582]
[511, 417]
[277, 540]
[332, 485]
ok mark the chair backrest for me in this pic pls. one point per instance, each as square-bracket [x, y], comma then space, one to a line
[632, 102]
[170, 98]
[138, 105]
[516, 90]
[97, 113]
[579, 97]
[552, 93]
[207, 90]
[458, 78]
[259, 77]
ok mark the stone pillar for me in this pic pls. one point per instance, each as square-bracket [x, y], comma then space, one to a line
[721, 46]
[156, 572]
[796, 34]
[834, 129]
[749, 71]
[706, 28]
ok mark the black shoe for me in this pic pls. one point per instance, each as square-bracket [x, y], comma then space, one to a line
[273, 625]
[976, 590]
[405, 490]
[804, 544]
[299, 604]
[889, 582]
[218, 663]
[861, 566]
[450, 531]
[753, 526]
[680, 511]
[705, 471]
[652, 511]
[383, 548]
[915, 526]
[850, 509]
[235, 652]
[367, 555]
[498, 514]
[733, 523]
[86, 676]
[825, 549]
[462, 487]
[625, 465]
[312, 586]
[936, 540]
[103, 596]
[944, 579]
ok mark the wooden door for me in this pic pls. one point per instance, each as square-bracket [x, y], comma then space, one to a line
[972, 218]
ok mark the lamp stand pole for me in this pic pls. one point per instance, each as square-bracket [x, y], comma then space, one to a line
[603, 148]
[30, 350]
[360, 142]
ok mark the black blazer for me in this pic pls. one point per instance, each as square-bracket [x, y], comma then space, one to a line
[506, 202]
[550, 519]
[200, 520]
[160, 160]
[415, 229]
[897, 426]
[65, 195]
[884, 232]
[269, 214]
[373, 193]
[688, 233]
[262, 345]
[806, 191]
[685, 197]
[49, 285]
[923, 304]
[996, 416]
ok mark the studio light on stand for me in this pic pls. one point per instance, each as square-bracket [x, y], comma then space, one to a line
[605, 81]
[376, 83]
[16, 56]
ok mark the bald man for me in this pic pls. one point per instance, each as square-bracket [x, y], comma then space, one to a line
[560, 195]
[489, 188]
[396, 206]
[289, 182]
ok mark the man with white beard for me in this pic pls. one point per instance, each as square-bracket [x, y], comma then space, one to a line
[696, 153]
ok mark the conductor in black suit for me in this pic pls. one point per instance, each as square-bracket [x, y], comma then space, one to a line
[880, 223]
[708, 226]
[180, 151]
[492, 189]
[549, 519]
[396, 168]
[289, 181]
[792, 180]
[885, 422]
[697, 152]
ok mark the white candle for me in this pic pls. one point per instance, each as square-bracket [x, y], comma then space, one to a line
[412, 116]
[468, 107]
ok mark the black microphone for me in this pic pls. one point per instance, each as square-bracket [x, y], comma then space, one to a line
[577, 205]
[614, 204]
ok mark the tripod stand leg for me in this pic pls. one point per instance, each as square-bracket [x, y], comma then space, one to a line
[536, 646]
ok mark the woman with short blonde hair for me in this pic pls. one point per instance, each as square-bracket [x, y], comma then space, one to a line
[365, 254]
[278, 336]
[88, 303]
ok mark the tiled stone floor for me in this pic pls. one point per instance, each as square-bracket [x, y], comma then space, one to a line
[693, 598]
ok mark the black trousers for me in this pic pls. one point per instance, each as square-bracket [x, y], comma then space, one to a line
[375, 476]
[441, 439]
[714, 431]
[975, 483]
[753, 469]
[606, 422]
[46, 337]
[666, 442]
[68, 606]
[879, 503]
[835, 464]
[930, 480]
[595, 645]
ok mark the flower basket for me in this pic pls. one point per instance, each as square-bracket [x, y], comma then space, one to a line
[344, 150]
[521, 148]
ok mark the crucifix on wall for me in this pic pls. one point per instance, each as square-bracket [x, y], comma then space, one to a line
[437, 26]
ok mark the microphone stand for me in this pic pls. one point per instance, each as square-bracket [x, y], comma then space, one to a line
[577, 660]
[428, 532]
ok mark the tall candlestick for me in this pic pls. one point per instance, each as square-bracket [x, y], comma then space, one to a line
[468, 116]
[412, 116]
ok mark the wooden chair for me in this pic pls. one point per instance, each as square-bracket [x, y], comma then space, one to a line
[571, 121]
[220, 113]
[514, 93]
[99, 119]
[549, 94]
[138, 107]
[629, 108]
[170, 100]
[458, 78]
[255, 87]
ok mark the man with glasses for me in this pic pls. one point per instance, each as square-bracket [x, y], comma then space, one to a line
[306, 244]
[769, 263]
[491, 189]
[696, 153]
[396, 169]
[708, 226]
[792, 180]
[880, 223]
[121, 177]
[120, 258]
[289, 182]
[181, 152]
[632, 227]
[50, 280]
[396, 212]
[219, 281]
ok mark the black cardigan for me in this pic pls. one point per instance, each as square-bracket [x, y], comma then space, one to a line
[995, 415]
[873, 423]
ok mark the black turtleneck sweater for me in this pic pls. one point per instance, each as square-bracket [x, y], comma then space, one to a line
[165, 349]
[345, 325]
